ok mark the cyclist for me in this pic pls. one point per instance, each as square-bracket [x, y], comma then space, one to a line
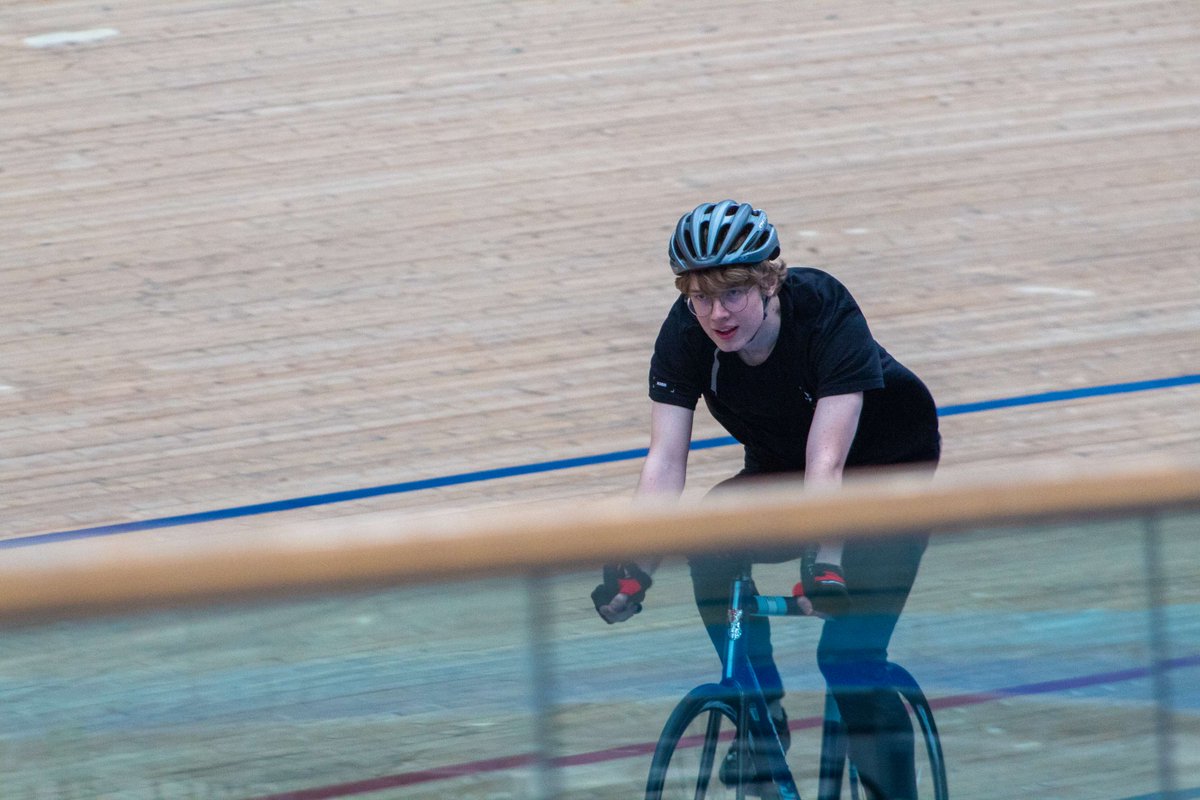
[785, 361]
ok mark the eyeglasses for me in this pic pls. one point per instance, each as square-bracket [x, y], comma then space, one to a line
[732, 300]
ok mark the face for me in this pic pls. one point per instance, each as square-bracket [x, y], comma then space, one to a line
[730, 319]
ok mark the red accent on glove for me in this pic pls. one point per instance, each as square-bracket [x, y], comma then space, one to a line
[830, 576]
[798, 589]
[629, 586]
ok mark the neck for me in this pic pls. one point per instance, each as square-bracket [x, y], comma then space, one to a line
[759, 348]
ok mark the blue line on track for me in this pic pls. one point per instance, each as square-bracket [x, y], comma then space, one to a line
[547, 466]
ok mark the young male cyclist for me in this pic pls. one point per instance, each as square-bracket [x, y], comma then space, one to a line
[786, 363]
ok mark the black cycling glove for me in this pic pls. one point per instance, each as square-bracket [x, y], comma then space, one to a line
[627, 579]
[825, 586]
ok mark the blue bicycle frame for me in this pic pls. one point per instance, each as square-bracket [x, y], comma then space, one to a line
[738, 676]
[757, 744]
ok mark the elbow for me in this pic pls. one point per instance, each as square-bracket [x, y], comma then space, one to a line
[662, 477]
[824, 469]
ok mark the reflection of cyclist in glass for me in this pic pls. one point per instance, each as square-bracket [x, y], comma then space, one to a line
[786, 363]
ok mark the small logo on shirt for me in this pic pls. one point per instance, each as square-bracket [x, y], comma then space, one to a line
[657, 385]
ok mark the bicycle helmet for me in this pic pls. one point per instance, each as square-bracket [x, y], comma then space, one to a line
[721, 235]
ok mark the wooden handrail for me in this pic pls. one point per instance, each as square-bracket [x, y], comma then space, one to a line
[125, 572]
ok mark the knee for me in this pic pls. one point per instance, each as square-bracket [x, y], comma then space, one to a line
[708, 567]
[710, 586]
[853, 669]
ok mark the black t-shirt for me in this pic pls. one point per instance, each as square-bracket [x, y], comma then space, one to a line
[824, 348]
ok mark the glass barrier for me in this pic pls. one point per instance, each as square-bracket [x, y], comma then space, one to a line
[1061, 660]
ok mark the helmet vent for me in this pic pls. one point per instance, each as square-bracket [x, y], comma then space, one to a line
[720, 235]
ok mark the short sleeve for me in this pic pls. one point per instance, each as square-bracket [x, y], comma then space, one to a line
[844, 353]
[676, 371]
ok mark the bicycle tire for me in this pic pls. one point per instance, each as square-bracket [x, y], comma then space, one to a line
[833, 747]
[920, 709]
[688, 755]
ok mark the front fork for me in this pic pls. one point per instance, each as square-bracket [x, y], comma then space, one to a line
[739, 676]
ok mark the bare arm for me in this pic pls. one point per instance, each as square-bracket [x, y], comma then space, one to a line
[835, 422]
[663, 474]
[665, 470]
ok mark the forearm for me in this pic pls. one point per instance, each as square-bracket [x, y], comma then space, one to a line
[661, 478]
[658, 480]
[664, 471]
[824, 473]
[828, 447]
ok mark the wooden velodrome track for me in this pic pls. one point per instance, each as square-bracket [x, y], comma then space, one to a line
[256, 252]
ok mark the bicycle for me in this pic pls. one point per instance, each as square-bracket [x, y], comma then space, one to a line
[703, 718]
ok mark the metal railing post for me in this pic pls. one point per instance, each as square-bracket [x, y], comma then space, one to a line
[541, 674]
[1160, 655]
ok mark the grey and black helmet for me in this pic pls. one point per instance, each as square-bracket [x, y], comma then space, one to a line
[721, 235]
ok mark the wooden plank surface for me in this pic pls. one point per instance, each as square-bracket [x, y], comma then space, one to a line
[264, 250]
[259, 251]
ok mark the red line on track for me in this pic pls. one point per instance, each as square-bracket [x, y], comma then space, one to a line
[646, 748]
[524, 760]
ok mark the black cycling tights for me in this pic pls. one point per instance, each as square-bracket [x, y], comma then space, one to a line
[852, 654]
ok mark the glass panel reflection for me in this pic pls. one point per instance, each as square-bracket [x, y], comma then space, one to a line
[372, 692]
[1035, 645]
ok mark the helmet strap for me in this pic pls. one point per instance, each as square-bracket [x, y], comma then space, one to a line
[766, 302]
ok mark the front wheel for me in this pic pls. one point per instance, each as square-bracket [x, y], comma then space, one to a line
[931, 774]
[694, 742]
[930, 762]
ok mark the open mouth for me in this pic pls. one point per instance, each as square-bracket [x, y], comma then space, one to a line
[725, 333]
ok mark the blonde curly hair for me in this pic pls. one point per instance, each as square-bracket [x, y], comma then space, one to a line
[766, 275]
